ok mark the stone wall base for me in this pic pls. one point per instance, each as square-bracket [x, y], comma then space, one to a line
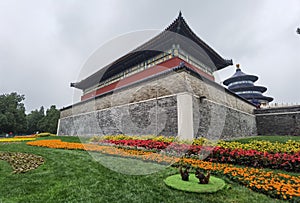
[183, 115]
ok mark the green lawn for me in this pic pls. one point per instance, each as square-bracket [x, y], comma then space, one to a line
[74, 176]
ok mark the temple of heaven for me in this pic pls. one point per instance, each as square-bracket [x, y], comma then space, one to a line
[242, 84]
[165, 86]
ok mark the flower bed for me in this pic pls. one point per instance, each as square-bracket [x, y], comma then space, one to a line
[253, 158]
[45, 134]
[25, 136]
[16, 139]
[147, 156]
[147, 144]
[127, 137]
[290, 146]
[276, 185]
[21, 162]
[283, 161]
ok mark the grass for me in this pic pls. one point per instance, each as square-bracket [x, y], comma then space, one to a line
[4, 168]
[126, 165]
[62, 138]
[75, 176]
[275, 138]
[214, 185]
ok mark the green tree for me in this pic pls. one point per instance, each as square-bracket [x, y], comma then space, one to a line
[50, 121]
[33, 120]
[12, 113]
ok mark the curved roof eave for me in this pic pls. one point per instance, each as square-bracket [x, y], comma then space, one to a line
[178, 26]
[255, 96]
[249, 88]
[252, 78]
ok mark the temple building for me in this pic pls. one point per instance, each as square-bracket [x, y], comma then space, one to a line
[242, 84]
[176, 44]
[165, 87]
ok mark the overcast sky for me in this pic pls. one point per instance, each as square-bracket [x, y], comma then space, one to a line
[45, 44]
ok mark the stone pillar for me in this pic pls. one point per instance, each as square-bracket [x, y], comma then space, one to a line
[185, 116]
[58, 126]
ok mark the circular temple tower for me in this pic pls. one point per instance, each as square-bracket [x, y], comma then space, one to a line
[242, 84]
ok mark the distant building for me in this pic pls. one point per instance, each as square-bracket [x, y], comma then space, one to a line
[242, 84]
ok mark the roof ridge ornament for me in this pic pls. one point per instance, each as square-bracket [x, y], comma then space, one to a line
[179, 23]
[237, 67]
[180, 14]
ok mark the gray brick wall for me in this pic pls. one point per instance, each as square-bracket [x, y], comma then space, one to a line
[172, 83]
[217, 121]
[162, 86]
[155, 116]
[278, 121]
[135, 110]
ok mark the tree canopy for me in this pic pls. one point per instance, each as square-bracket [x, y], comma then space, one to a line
[12, 113]
[49, 122]
[14, 119]
[33, 120]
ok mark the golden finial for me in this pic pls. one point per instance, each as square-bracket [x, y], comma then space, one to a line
[237, 66]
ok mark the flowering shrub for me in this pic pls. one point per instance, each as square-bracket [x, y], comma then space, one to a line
[278, 185]
[147, 144]
[263, 146]
[25, 136]
[290, 146]
[164, 139]
[203, 141]
[146, 156]
[127, 137]
[254, 158]
[45, 134]
[283, 161]
[58, 144]
[16, 139]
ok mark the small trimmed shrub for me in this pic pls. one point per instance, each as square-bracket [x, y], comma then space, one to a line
[45, 134]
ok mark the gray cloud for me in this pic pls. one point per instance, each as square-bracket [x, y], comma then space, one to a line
[44, 44]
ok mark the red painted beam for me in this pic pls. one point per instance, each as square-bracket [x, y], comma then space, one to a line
[171, 63]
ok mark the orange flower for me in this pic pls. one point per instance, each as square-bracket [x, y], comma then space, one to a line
[282, 185]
